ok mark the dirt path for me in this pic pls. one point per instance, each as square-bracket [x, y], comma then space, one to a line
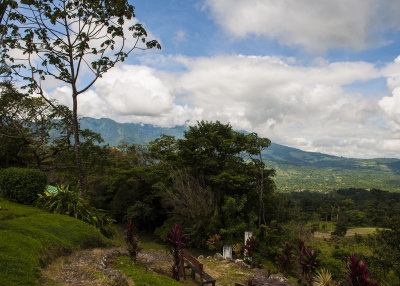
[85, 268]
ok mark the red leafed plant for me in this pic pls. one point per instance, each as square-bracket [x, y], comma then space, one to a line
[214, 242]
[285, 260]
[358, 273]
[251, 246]
[132, 240]
[308, 261]
[177, 239]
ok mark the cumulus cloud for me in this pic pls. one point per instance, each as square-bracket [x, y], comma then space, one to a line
[391, 107]
[307, 107]
[129, 94]
[134, 90]
[390, 104]
[313, 24]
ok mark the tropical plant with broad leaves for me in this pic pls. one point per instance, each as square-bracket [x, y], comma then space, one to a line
[177, 240]
[68, 202]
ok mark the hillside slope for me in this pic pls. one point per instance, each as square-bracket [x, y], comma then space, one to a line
[296, 169]
[30, 238]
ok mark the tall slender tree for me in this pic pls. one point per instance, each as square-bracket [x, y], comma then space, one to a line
[74, 42]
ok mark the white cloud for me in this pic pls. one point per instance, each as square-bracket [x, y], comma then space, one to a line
[306, 107]
[134, 90]
[313, 24]
[129, 94]
[293, 105]
[390, 105]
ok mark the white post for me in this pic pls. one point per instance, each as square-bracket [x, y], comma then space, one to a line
[227, 251]
[247, 235]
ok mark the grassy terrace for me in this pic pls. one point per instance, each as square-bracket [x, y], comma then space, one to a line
[30, 238]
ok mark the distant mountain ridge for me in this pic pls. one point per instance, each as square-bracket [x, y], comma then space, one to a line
[296, 169]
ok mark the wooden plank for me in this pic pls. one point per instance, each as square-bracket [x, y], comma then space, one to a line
[194, 261]
[197, 267]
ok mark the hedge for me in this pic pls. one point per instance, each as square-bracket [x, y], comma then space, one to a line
[22, 185]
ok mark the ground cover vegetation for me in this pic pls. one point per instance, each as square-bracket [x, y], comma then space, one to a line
[30, 238]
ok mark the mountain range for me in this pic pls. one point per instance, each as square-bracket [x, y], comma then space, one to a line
[295, 169]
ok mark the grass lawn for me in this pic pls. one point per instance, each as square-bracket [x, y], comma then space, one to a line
[141, 276]
[30, 238]
[362, 230]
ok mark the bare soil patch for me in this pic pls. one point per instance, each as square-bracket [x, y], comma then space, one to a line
[85, 268]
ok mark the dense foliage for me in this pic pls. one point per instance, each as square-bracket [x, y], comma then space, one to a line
[22, 185]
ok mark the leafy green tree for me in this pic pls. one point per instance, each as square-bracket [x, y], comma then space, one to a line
[26, 124]
[341, 226]
[74, 42]
[258, 145]
[224, 162]
[216, 153]
[387, 247]
[233, 218]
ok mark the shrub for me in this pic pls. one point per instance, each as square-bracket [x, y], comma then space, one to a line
[308, 261]
[251, 246]
[214, 242]
[22, 185]
[132, 240]
[358, 273]
[323, 278]
[68, 202]
[177, 239]
[237, 249]
[285, 260]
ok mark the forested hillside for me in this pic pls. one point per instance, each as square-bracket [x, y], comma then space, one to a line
[295, 169]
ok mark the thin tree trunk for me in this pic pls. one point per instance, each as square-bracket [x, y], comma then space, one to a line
[77, 145]
[261, 215]
[75, 123]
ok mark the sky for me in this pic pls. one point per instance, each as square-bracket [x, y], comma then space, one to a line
[318, 75]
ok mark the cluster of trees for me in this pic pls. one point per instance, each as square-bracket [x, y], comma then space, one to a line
[346, 208]
[355, 207]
